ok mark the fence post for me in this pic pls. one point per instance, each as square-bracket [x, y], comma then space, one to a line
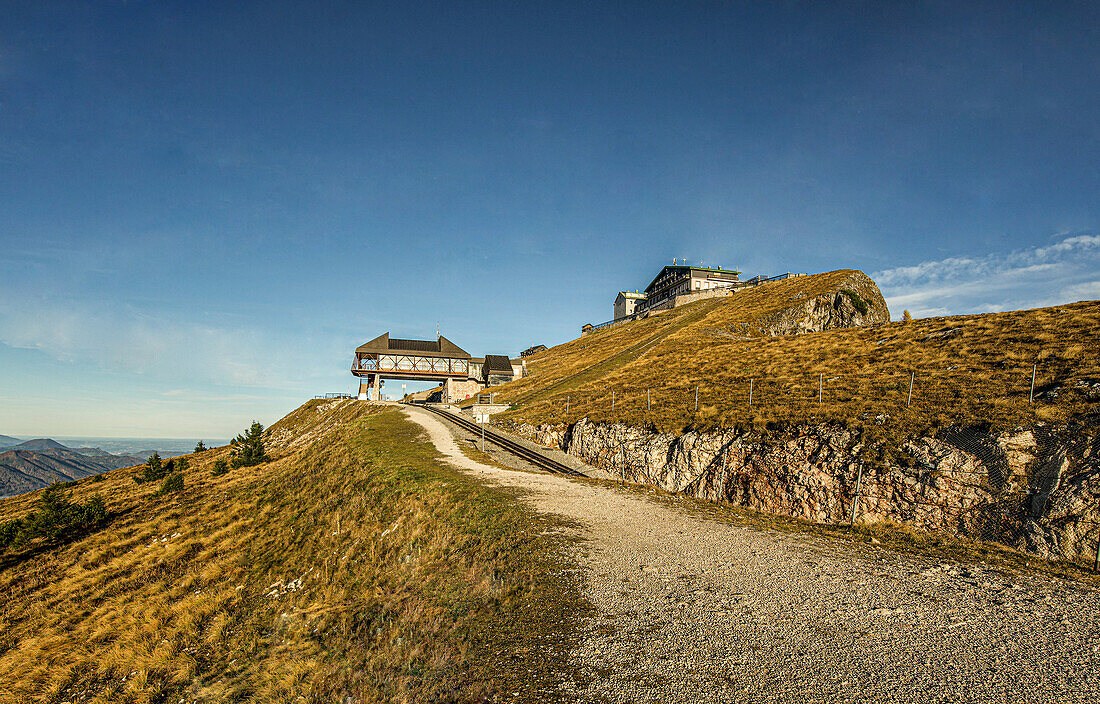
[1031, 396]
[1096, 560]
[612, 401]
[750, 390]
[855, 499]
[912, 376]
[566, 405]
[820, 383]
[696, 399]
[648, 401]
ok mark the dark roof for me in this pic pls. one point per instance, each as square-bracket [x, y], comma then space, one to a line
[497, 363]
[418, 345]
[532, 350]
[684, 267]
[442, 347]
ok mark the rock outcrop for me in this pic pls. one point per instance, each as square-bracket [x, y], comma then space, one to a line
[1038, 490]
[854, 302]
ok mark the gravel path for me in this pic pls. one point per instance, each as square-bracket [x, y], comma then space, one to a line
[696, 610]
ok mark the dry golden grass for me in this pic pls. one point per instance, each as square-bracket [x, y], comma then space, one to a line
[355, 563]
[965, 369]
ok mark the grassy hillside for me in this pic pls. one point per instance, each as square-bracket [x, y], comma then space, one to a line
[964, 369]
[354, 564]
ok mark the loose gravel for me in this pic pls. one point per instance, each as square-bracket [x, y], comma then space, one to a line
[691, 609]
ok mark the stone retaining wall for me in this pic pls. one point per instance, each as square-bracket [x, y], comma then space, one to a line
[1042, 497]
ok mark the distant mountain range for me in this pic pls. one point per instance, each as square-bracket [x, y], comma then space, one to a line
[33, 464]
[39, 444]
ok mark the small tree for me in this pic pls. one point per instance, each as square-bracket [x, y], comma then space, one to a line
[220, 468]
[95, 511]
[906, 317]
[153, 470]
[200, 447]
[248, 449]
[55, 517]
[172, 483]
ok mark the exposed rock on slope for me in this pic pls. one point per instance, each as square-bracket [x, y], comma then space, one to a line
[855, 300]
[1041, 494]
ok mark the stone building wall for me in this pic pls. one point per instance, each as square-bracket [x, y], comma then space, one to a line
[454, 390]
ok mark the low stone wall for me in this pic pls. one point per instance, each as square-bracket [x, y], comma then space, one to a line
[1041, 497]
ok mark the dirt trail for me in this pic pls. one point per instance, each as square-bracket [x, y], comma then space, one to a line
[696, 610]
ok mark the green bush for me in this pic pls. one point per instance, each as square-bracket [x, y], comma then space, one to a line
[861, 305]
[8, 531]
[95, 510]
[172, 483]
[98, 478]
[154, 469]
[248, 449]
[55, 517]
[220, 468]
[200, 447]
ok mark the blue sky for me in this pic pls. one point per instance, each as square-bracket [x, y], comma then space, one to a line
[206, 206]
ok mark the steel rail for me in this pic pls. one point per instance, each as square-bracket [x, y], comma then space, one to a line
[532, 456]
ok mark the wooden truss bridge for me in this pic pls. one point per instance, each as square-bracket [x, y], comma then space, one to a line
[408, 360]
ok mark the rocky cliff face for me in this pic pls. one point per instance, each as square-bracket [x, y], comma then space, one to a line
[1037, 490]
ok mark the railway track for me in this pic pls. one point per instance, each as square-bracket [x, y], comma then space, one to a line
[526, 453]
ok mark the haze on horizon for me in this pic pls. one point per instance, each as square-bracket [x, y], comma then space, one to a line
[206, 208]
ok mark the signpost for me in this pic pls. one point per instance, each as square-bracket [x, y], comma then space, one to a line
[482, 418]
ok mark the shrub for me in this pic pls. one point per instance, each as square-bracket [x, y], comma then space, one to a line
[248, 449]
[8, 531]
[906, 317]
[54, 518]
[857, 301]
[98, 478]
[154, 469]
[172, 483]
[95, 511]
[200, 447]
[220, 468]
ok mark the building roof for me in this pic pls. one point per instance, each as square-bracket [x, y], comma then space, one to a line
[441, 347]
[632, 294]
[689, 269]
[497, 363]
[532, 350]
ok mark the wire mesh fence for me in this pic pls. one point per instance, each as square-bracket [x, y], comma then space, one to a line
[1029, 393]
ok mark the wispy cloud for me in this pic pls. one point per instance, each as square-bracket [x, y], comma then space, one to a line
[130, 340]
[1065, 271]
